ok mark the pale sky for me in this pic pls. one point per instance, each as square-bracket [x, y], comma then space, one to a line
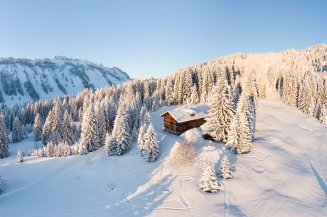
[154, 38]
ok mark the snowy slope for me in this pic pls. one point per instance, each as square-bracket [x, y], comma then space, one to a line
[284, 175]
[52, 77]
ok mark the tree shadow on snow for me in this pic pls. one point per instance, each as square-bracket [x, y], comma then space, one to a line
[319, 179]
[145, 199]
[236, 211]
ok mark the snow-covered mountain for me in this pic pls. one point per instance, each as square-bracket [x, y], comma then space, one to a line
[22, 80]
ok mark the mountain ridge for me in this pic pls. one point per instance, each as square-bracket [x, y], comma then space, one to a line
[23, 79]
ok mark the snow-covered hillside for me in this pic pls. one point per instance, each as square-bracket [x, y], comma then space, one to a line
[22, 80]
[285, 174]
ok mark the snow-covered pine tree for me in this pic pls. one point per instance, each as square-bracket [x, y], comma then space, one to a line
[17, 132]
[101, 122]
[2, 100]
[208, 182]
[150, 150]
[37, 128]
[1, 185]
[144, 116]
[137, 104]
[69, 129]
[247, 106]
[233, 134]
[225, 168]
[49, 149]
[73, 108]
[110, 113]
[3, 138]
[239, 135]
[187, 84]
[236, 94]
[206, 85]
[120, 141]
[90, 138]
[244, 144]
[157, 99]
[194, 96]
[57, 122]
[169, 92]
[140, 139]
[317, 112]
[135, 133]
[107, 142]
[176, 92]
[145, 121]
[323, 115]
[221, 111]
[46, 132]
[19, 157]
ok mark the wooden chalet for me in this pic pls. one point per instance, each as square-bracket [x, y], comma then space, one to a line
[179, 120]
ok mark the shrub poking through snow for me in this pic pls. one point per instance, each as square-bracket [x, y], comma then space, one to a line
[184, 154]
[19, 157]
[225, 169]
[208, 182]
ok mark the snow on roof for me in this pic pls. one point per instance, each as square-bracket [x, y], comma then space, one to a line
[188, 113]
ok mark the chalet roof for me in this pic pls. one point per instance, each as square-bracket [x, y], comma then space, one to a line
[188, 113]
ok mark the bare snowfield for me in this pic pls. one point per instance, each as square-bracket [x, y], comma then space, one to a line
[285, 174]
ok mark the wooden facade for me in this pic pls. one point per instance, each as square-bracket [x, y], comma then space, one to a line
[174, 127]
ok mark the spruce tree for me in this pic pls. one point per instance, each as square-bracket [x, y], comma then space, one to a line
[236, 95]
[239, 135]
[47, 128]
[37, 128]
[101, 124]
[247, 106]
[150, 150]
[1, 186]
[208, 182]
[121, 134]
[169, 92]
[19, 157]
[194, 96]
[221, 111]
[107, 142]
[4, 149]
[90, 136]
[140, 139]
[135, 133]
[57, 124]
[187, 84]
[244, 145]
[17, 133]
[69, 129]
[323, 116]
[233, 133]
[225, 168]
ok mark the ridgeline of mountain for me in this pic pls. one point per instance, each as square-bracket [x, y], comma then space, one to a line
[22, 80]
